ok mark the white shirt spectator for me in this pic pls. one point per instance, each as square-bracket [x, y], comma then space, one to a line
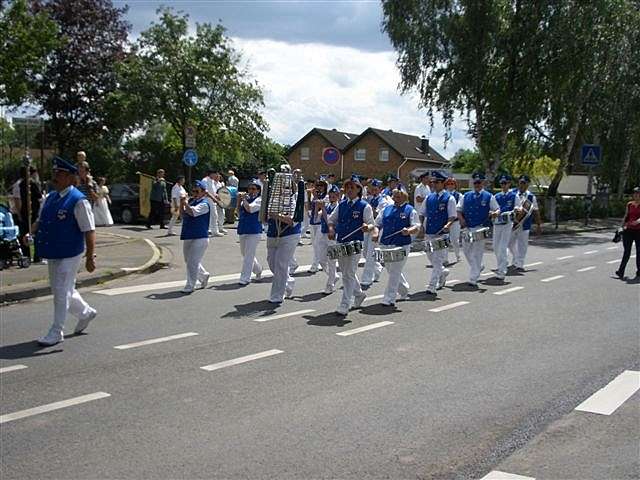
[423, 191]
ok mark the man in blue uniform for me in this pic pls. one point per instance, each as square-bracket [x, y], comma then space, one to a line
[527, 209]
[474, 209]
[328, 264]
[195, 235]
[65, 226]
[378, 202]
[350, 220]
[249, 231]
[503, 225]
[439, 213]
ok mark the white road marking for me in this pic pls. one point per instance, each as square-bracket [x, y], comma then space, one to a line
[585, 269]
[498, 475]
[155, 340]
[565, 257]
[237, 361]
[486, 274]
[613, 261]
[508, 290]
[607, 400]
[374, 297]
[284, 315]
[452, 282]
[612, 248]
[533, 264]
[590, 252]
[551, 279]
[52, 406]
[12, 368]
[448, 307]
[364, 329]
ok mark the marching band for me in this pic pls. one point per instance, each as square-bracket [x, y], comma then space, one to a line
[345, 224]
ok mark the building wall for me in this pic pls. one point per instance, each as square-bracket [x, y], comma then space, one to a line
[314, 167]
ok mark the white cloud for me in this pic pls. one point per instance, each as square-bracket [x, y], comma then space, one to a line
[317, 85]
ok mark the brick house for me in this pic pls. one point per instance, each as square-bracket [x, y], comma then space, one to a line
[373, 153]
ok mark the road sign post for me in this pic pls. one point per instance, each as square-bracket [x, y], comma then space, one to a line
[189, 158]
[590, 156]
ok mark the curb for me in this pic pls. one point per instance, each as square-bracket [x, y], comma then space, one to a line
[149, 266]
[553, 231]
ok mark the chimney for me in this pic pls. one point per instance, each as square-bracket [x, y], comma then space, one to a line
[424, 145]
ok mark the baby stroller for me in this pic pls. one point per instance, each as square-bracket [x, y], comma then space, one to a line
[9, 245]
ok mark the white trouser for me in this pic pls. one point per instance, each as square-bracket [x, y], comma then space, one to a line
[305, 225]
[328, 265]
[454, 235]
[518, 245]
[248, 245]
[220, 215]
[438, 257]
[62, 278]
[397, 282]
[175, 215]
[193, 251]
[315, 237]
[474, 251]
[280, 252]
[501, 237]
[213, 216]
[372, 268]
[350, 283]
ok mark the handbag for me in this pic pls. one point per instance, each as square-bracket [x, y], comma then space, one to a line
[617, 236]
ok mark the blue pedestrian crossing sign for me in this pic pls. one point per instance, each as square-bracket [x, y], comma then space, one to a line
[190, 157]
[591, 154]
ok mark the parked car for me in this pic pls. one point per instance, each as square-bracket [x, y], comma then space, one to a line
[125, 202]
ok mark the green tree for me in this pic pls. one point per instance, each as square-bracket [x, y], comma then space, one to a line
[478, 58]
[466, 161]
[195, 81]
[27, 40]
[80, 74]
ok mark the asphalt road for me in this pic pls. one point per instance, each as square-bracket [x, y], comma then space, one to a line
[488, 385]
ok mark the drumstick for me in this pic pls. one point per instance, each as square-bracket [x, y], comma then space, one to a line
[392, 234]
[347, 236]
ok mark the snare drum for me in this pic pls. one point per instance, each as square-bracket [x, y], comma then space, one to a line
[340, 250]
[390, 255]
[439, 243]
[504, 218]
[227, 196]
[470, 236]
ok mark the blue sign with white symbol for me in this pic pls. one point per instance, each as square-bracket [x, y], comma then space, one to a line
[190, 157]
[591, 154]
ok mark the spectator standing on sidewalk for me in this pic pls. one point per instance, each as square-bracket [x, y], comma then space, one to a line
[631, 233]
[158, 200]
[101, 211]
[65, 227]
[87, 185]
[22, 211]
[232, 181]
[177, 194]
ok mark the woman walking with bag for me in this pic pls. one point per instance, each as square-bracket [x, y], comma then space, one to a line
[631, 233]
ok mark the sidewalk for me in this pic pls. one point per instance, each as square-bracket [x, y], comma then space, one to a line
[578, 226]
[117, 256]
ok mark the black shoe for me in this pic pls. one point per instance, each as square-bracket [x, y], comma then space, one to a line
[619, 274]
[148, 227]
[162, 227]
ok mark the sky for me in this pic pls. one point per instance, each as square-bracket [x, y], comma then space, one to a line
[320, 63]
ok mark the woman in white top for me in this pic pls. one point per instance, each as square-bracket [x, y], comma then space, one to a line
[101, 208]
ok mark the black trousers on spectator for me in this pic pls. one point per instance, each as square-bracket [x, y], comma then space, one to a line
[628, 238]
[156, 214]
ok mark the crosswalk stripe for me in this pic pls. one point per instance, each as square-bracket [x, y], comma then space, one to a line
[565, 257]
[498, 475]
[508, 290]
[448, 307]
[585, 269]
[533, 264]
[364, 329]
[283, 315]
[551, 279]
[52, 406]
[237, 361]
[155, 340]
[12, 368]
[607, 400]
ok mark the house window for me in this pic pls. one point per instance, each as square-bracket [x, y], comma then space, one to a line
[384, 155]
[361, 154]
[304, 153]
